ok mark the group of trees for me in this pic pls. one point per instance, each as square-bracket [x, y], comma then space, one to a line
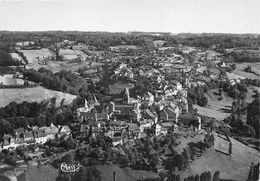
[246, 55]
[205, 176]
[253, 115]
[65, 81]
[196, 94]
[25, 114]
[7, 60]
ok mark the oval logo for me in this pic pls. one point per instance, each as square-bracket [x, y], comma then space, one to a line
[69, 167]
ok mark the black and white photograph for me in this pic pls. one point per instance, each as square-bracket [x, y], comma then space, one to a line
[129, 90]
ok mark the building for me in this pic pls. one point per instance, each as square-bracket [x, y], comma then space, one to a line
[148, 114]
[51, 131]
[189, 120]
[40, 136]
[170, 114]
[89, 116]
[130, 110]
[64, 130]
[156, 129]
[84, 130]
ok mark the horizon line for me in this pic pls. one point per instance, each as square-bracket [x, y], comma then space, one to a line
[134, 31]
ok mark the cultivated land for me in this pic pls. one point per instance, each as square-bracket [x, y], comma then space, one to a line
[7, 79]
[235, 167]
[69, 54]
[16, 56]
[32, 94]
[125, 46]
[215, 108]
[240, 70]
[35, 55]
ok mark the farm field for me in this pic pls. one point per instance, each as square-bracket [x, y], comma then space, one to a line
[69, 54]
[240, 70]
[35, 55]
[124, 46]
[32, 94]
[235, 167]
[7, 79]
[16, 56]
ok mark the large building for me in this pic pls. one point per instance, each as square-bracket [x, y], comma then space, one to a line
[170, 114]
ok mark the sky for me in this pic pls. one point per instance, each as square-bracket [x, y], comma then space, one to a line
[175, 16]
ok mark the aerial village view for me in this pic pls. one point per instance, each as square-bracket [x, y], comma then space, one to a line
[128, 106]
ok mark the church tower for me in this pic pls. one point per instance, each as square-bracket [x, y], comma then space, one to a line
[127, 96]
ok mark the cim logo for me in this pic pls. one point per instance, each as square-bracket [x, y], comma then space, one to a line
[69, 167]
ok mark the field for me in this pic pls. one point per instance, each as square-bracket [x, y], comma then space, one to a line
[32, 94]
[235, 167]
[35, 55]
[124, 47]
[7, 79]
[16, 56]
[69, 54]
[215, 108]
[240, 70]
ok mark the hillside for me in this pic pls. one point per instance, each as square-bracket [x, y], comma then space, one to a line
[234, 167]
[215, 108]
[32, 94]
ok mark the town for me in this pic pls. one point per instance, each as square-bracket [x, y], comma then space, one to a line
[161, 106]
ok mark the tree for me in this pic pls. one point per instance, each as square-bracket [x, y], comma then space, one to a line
[216, 176]
[68, 158]
[5, 127]
[230, 148]
[203, 101]
[10, 161]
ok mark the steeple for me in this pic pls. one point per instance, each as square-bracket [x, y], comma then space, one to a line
[86, 105]
[127, 95]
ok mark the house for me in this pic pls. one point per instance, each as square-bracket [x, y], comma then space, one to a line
[117, 141]
[28, 136]
[134, 131]
[156, 129]
[188, 120]
[40, 136]
[88, 106]
[148, 114]
[7, 142]
[64, 130]
[170, 114]
[147, 123]
[18, 134]
[84, 130]
[51, 131]
[94, 116]
[148, 98]
[96, 131]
